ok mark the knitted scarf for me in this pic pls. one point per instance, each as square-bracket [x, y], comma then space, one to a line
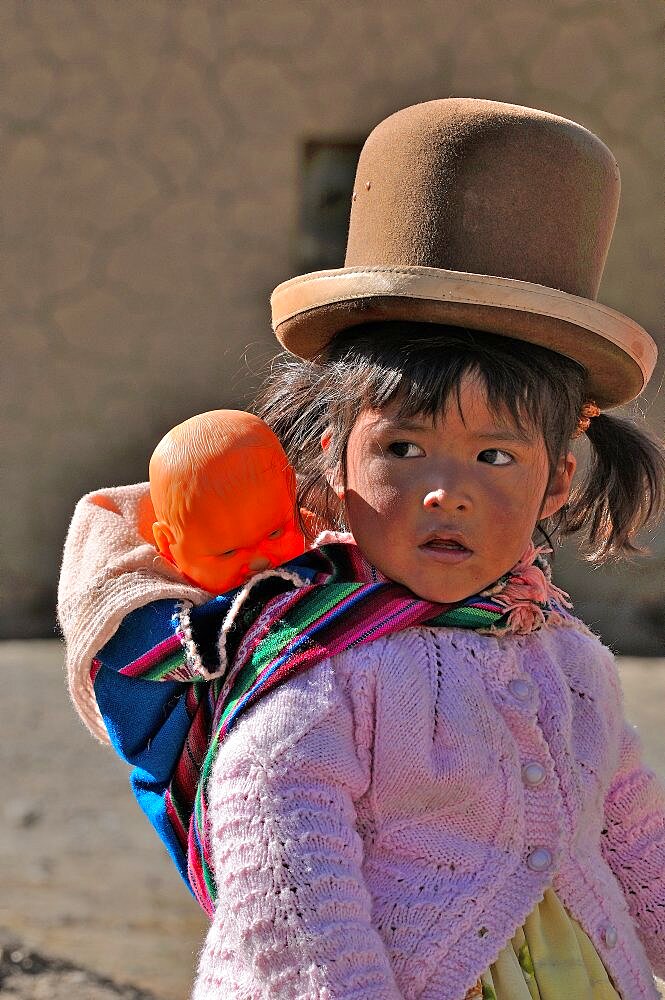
[279, 624]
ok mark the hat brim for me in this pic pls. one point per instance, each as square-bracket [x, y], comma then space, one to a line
[618, 355]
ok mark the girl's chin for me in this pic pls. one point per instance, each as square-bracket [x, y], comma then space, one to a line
[441, 594]
[451, 588]
[447, 597]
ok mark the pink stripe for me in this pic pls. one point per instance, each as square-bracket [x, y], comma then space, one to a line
[197, 880]
[153, 657]
[174, 818]
[409, 616]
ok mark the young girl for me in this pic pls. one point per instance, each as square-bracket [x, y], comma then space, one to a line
[422, 786]
[490, 777]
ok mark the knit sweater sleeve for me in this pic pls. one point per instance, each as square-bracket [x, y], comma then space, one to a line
[294, 917]
[634, 844]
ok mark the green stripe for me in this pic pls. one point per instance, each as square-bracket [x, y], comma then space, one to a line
[299, 618]
[205, 868]
[467, 617]
[307, 611]
[174, 661]
[243, 683]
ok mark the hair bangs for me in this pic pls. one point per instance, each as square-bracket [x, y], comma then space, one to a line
[423, 375]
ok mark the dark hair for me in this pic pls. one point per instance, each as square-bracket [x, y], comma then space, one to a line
[420, 367]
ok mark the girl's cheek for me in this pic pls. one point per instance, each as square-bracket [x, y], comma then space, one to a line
[392, 503]
[382, 497]
[378, 481]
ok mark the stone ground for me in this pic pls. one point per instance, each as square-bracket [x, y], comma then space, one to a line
[29, 975]
[91, 907]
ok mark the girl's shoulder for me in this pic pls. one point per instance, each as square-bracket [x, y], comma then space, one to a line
[331, 694]
[581, 651]
[566, 646]
[341, 689]
[570, 634]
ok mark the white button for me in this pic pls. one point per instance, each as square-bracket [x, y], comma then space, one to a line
[520, 689]
[533, 773]
[610, 935]
[539, 859]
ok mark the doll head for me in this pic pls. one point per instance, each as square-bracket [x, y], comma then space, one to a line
[224, 499]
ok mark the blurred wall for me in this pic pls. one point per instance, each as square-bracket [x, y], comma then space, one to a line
[150, 164]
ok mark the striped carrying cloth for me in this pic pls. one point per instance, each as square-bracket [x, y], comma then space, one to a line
[209, 664]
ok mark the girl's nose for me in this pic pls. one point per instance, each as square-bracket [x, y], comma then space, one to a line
[440, 498]
[435, 499]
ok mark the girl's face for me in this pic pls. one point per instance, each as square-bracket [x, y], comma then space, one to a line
[447, 506]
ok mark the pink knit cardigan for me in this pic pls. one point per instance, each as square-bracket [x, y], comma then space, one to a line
[377, 834]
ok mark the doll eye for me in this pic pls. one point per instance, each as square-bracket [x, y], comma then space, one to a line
[277, 533]
[494, 456]
[228, 553]
[405, 449]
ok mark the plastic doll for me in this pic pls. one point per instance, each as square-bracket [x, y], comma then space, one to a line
[422, 784]
[223, 494]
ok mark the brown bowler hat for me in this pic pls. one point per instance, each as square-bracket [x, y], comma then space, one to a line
[481, 215]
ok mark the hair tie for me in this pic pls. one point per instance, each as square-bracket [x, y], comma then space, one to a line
[587, 413]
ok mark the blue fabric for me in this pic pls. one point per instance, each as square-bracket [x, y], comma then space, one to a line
[139, 632]
[149, 794]
[147, 721]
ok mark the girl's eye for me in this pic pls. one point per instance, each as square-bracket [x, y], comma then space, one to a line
[494, 456]
[277, 533]
[406, 449]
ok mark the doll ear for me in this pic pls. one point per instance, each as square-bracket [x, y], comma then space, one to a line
[164, 539]
[146, 517]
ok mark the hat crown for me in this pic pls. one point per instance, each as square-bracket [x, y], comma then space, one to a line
[486, 188]
[484, 216]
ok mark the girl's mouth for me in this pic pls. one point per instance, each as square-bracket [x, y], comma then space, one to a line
[446, 550]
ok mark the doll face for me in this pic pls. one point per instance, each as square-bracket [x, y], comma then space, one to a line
[447, 506]
[228, 537]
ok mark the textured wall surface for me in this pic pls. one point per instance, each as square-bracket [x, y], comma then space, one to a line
[150, 163]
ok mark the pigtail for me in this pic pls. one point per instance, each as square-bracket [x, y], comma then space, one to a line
[622, 492]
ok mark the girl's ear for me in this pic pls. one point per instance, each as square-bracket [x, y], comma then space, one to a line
[332, 475]
[559, 489]
[164, 539]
